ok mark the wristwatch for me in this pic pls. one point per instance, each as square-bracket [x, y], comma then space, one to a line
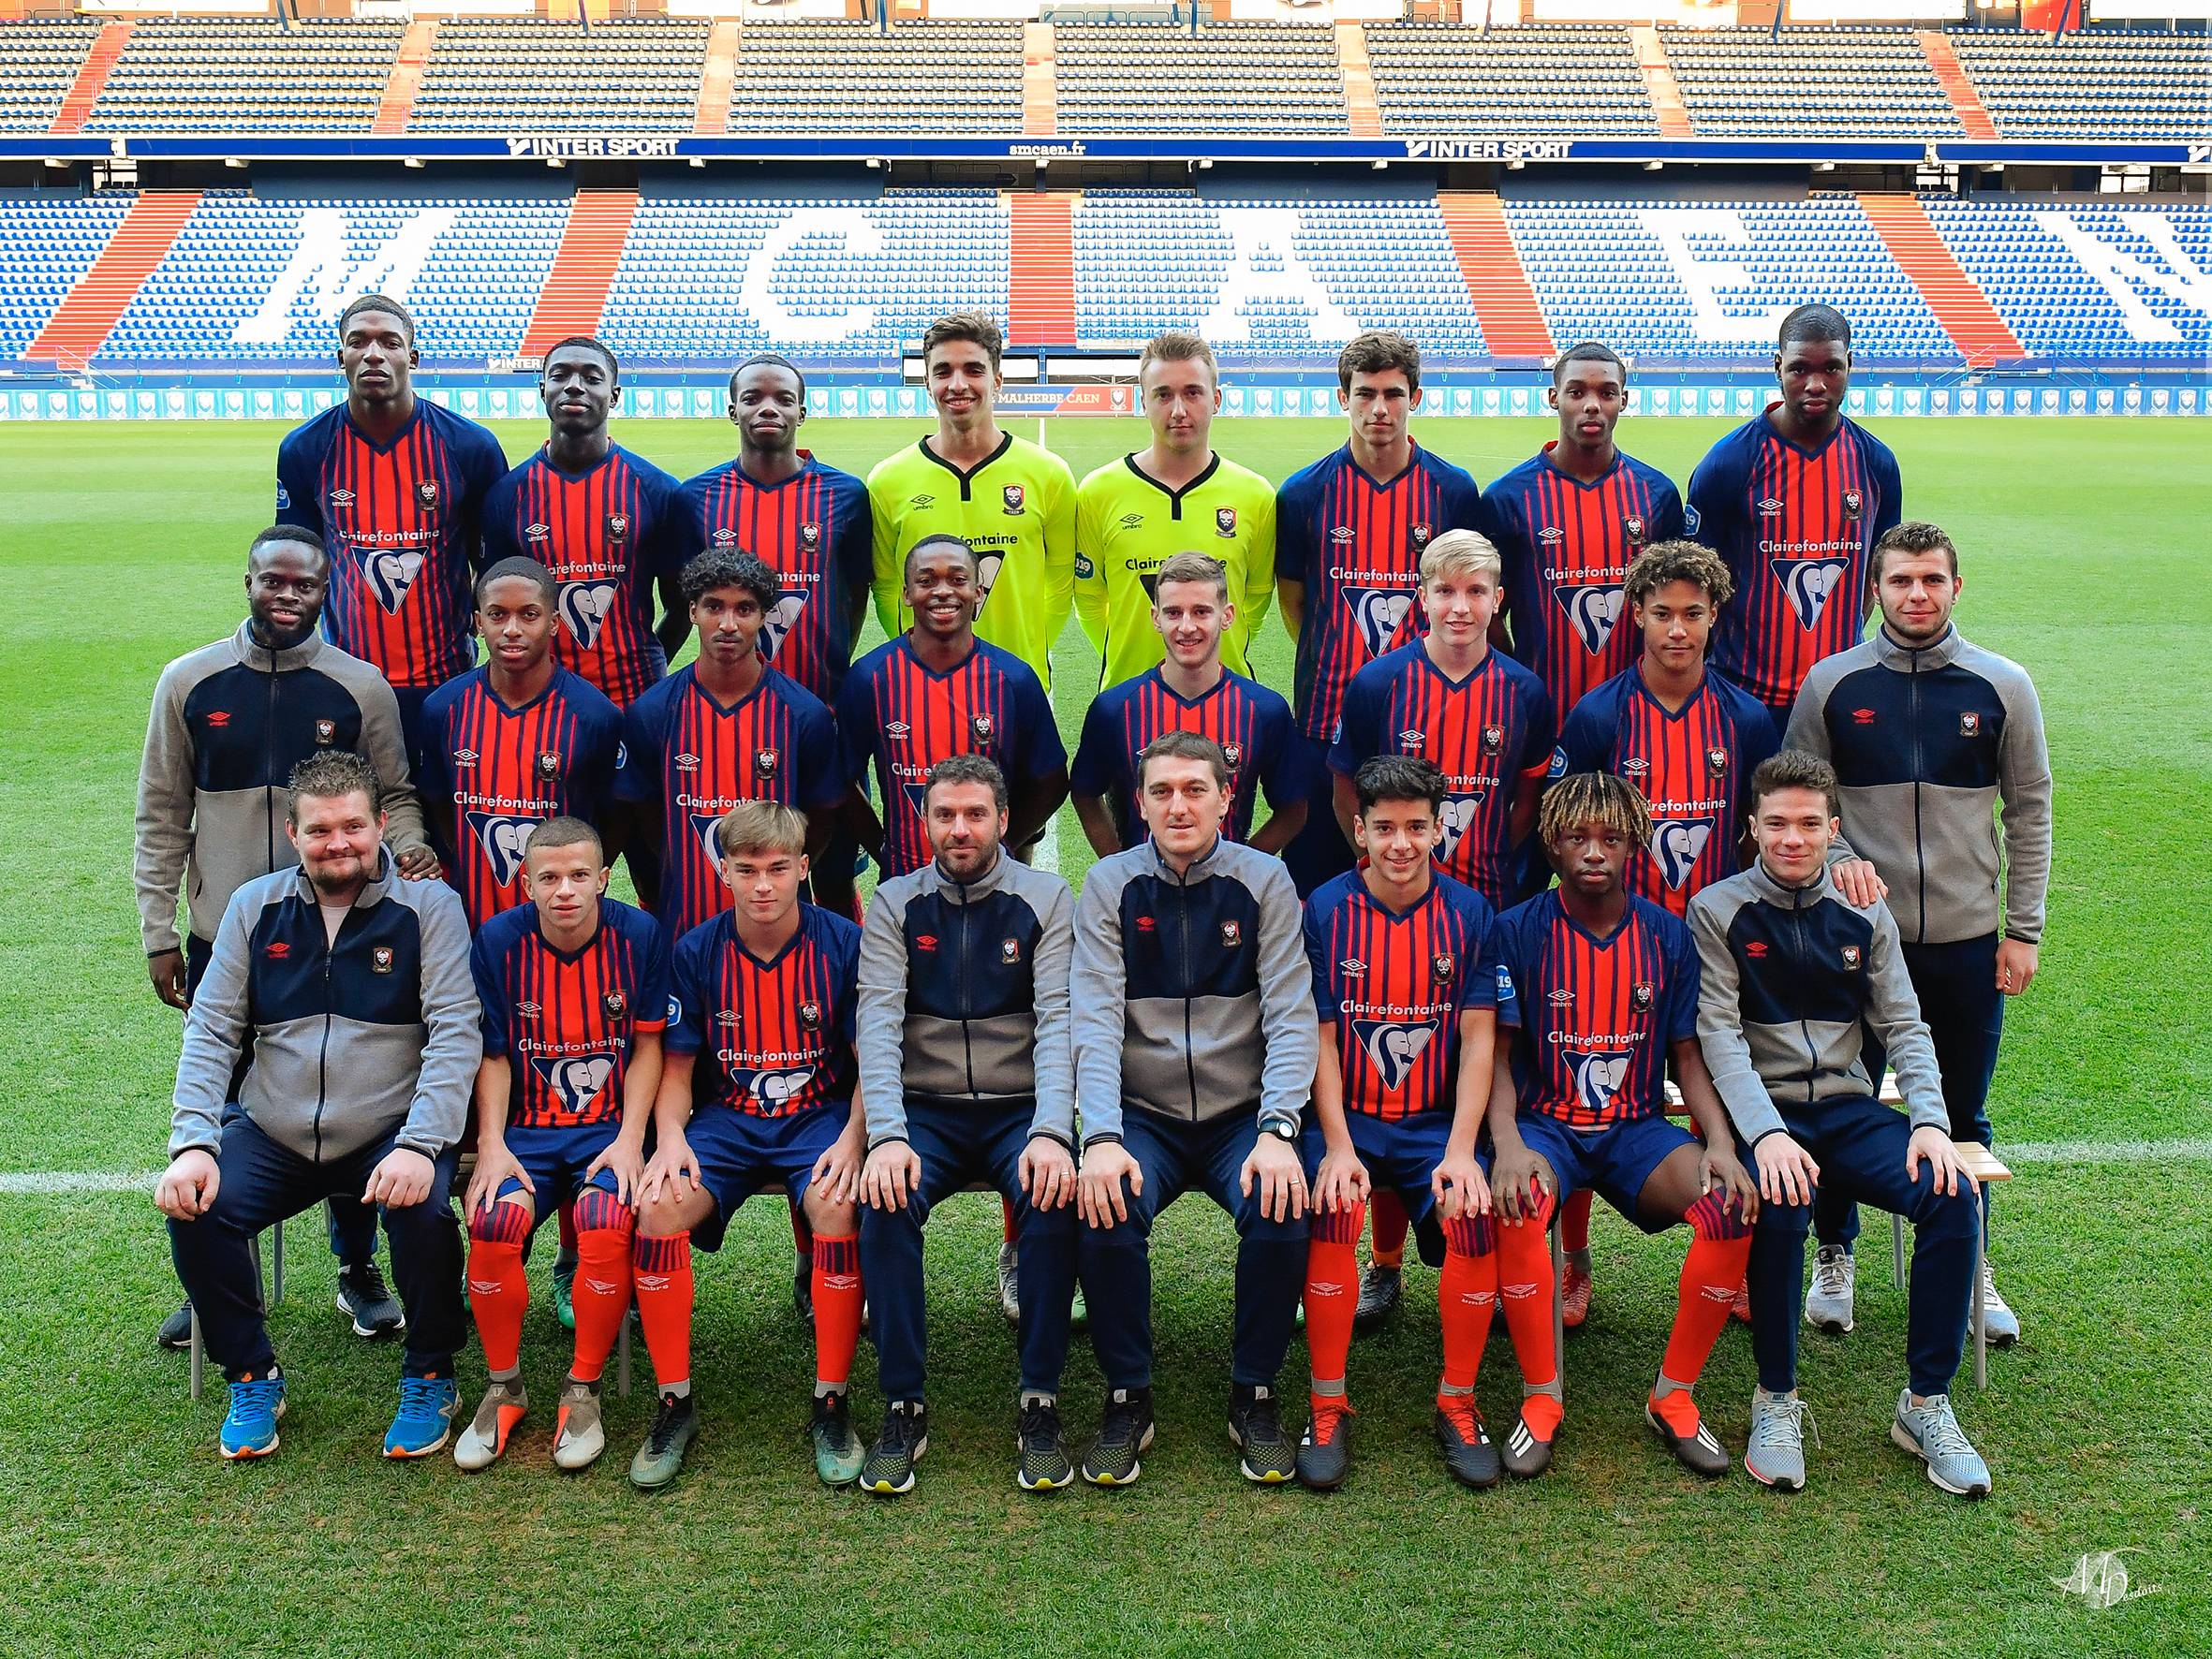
[1277, 1128]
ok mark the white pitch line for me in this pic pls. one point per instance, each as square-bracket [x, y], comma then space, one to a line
[2182, 1150]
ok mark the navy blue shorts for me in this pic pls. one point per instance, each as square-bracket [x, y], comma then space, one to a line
[739, 1153]
[555, 1158]
[1400, 1155]
[1615, 1161]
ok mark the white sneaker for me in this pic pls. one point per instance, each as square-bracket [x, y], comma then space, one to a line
[1009, 1283]
[1828, 1303]
[1774, 1455]
[1999, 1324]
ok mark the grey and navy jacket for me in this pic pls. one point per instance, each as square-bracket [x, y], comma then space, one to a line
[1786, 978]
[230, 723]
[350, 1041]
[964, 997]
[1192, 995]
[1925, 743]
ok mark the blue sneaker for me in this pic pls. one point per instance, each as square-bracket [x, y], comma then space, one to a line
[249, 1429]
[1931, 1433]
[427, 1406]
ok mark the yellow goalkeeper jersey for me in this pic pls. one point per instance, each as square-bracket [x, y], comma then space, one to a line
[1127, 524]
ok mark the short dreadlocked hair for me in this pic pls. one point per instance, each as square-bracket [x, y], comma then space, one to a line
[1599, 798]
[1677, 560]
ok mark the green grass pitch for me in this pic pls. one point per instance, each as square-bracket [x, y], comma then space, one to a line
[2086, 551]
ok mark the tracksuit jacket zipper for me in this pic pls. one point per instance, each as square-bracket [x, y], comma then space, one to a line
[1805, 1030]
[968, 1046]
[322, 1058]
[1182, 915]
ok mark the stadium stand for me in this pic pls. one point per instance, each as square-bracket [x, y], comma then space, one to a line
[1532, 82]
[217, 74]
[1146, 260]
[43, 61]
[833, 276]
[1266, 80]
[47, 243]
[2093, 84]
[920, 77]
[622, 75]
[2030, 258]
[255, 278]
[1698, 280]
[1873, 82]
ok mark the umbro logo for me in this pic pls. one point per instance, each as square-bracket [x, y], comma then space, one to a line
[1551, 533]
[1770, 510]
[341, 498]
[897, 728]
[1341, 534]
[1562, 996]
[1132, 520]
[922, 501]
[1351, 968]
[686, 763]
[537, 532]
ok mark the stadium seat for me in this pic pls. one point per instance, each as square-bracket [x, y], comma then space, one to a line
[624, 74]
[2090, 83]
[1753, 82]
[43, 58]
[1536, 81]
[215, 75]
[823, 76]
[1257, 79]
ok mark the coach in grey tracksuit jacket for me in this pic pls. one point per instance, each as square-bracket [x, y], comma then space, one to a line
[964, 1056]
[1928, 743]
[1194, 1032]
[1790, 980]
[229, 722]
[361, 1044]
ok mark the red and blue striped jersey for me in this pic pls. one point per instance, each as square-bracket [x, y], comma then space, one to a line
[1251, 723]
[775, 1038]
[1356, 544]
[490, 774]
[1795, 526]
[605, 536]
[566, 1023]
[1594, 1018]
[404, 524]
[1567, 546]
[699, 759]
[1393, 988]
[1486, 732]
[906, 717]
[815, 531]
[1693, 765]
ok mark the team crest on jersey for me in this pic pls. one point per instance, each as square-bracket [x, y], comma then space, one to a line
[549, 765]
[1232, 756]
[1458, 818]
[1640, 998]
[810, 1016]
[1676, 845]
[981, 729]
[1377, 613]
[380, 958]
[1010, 951]
[1493, 738]
[502, 838]
[390, 576]
[326, 731]
[537, 532]
[772, 1092]
[1717, 762]
[1632, 527]
[1852, 504]
[1808, 584]
[1393, 1046]
[615, 1003]
[1225, 520]
[764, 761]
[1598, 1078]
[1592, 609]
[1013, 496]
[1850, 956]
[584, 607]
[1443, 965]
[426, 496]
[618, 526]
[1970, 725]
[809, 534]
[1233, 934]
[1417, 534]
[576, 1083]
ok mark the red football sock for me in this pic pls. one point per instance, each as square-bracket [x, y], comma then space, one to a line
[1466, 1297]
[499, 1290]
[1526, 1285]
[837, 1297]
[1332, 1289]
[664, 1305]
[1012, 1227]
[1388, 1246]
[1718, 1253]
[602, 1288]
[1574, 1221]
